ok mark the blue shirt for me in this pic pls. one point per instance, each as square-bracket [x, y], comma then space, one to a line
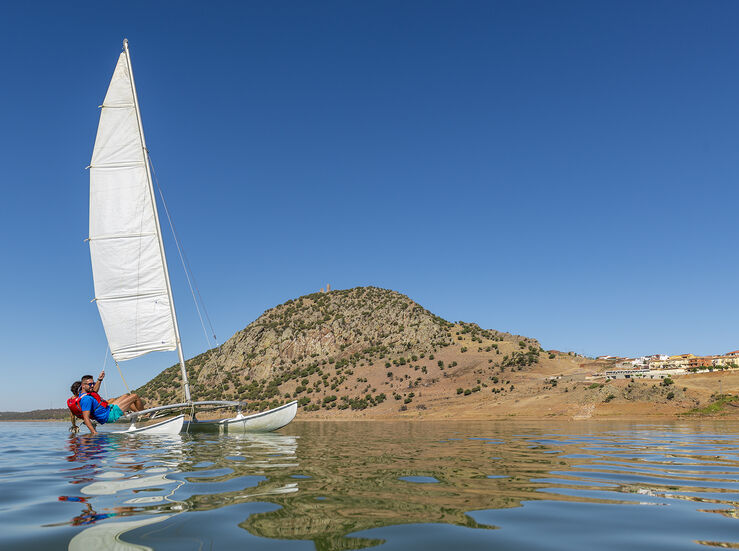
[88, 403]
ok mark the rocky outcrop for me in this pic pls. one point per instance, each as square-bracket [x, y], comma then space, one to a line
[316, 346]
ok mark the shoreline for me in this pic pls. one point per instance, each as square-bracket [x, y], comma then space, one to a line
[498, 418]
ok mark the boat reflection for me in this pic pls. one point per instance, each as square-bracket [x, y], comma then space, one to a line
[166, 477]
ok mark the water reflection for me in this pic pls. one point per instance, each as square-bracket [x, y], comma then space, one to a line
[336, 486]
[175, 474]
[108, 536]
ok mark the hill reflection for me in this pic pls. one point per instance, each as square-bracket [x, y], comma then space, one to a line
[351, 478]
[343, 485]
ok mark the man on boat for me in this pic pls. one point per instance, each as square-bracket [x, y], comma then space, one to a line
[92, 406]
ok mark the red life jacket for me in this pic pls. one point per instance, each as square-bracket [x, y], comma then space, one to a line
[74, 403]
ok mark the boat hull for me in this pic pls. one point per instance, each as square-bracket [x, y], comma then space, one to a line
[168, 426]
[265, 421]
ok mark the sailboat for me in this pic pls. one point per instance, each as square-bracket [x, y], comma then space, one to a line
[132, 286]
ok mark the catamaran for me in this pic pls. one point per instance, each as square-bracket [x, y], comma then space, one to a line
[132, 286]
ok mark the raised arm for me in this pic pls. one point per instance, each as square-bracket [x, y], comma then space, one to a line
[96, 388]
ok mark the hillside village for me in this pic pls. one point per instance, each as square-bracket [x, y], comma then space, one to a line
[662, 364]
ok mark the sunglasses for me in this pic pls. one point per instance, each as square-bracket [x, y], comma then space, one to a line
[91, 383]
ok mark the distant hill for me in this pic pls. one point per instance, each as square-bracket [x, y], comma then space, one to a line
[35, 415]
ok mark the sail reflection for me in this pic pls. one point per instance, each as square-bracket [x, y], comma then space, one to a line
[108, 536]
[168, 476]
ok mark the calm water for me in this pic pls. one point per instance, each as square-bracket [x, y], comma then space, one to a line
[341, 486]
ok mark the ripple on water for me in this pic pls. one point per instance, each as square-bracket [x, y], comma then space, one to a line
[419, 479]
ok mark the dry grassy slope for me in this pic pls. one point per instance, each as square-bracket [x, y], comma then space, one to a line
[369, 352]
[338, 344]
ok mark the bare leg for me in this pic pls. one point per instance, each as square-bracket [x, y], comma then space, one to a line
[126, 402]
[138, 405]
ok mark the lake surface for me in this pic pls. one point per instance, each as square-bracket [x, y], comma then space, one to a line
[403, 485]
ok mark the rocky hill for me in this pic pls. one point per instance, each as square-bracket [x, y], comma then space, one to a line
[369, 352]
[347, 350]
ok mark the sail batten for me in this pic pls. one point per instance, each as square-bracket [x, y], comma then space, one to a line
[132, 236]
[162, 293]
[128, 268]
[116, 165]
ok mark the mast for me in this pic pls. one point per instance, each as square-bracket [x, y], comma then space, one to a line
[185, 382]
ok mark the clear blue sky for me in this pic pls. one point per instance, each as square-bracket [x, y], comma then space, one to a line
[563, 170]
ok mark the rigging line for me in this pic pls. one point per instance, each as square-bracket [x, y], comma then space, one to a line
[189, 275]
[185, 265]
[105, 363]
[122, 378]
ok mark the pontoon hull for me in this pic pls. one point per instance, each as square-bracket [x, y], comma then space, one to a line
[265, 421]
[169, 426]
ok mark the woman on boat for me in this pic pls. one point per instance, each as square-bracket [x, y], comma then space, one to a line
[89, 405]
[74, 406]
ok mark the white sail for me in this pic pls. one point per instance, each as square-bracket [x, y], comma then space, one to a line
[128, 263]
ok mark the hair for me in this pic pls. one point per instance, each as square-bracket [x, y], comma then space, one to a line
[75, 388]
[86, 377]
